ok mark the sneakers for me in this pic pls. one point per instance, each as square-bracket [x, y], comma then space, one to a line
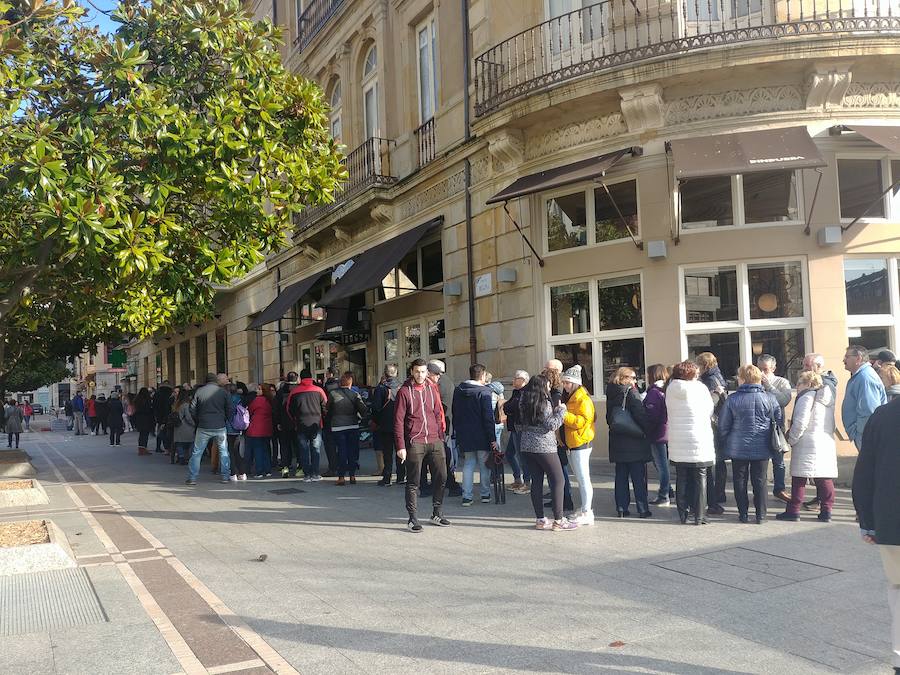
[661, 501]
[233, 479]
[316, 478]
[824, 517]
[466, 501]
[564, 524]
[285, 472]
[543, 524]
[384, 483]
[413, 525]
[716, 510]
[243, 476]
[486, 500]
[522, 490]
[585, 518]
[268, 475]
[793, 517]
[307, 479]
[439, 520]
[352, 480]
[190, 481]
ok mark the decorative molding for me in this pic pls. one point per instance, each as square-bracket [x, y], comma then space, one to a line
[643, 107]
[872, 95]
[382, 214]
[507, 148]
[481, 168]
[733, 103]
[341, 234]
[571, 135]
[826, 85]
[310, 252]
[435, 194]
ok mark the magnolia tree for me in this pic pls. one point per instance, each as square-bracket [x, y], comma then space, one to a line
[140, 169]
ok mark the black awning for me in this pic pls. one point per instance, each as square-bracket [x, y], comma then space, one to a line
[586, 169]
[886, 137]
[370, 267]
[285, 300]
[747, 152]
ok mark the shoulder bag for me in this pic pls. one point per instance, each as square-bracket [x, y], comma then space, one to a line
[623, 423]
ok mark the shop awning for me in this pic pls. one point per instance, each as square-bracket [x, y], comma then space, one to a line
[285, 300]
[886, 137]
[747, 152]
[550, 179]
[370, 267]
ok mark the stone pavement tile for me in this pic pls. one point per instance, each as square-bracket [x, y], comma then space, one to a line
[118, 600]
[31, 653]
[111, 648]
[775, 565]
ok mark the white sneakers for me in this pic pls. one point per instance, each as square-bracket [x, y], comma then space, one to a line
[584, 518]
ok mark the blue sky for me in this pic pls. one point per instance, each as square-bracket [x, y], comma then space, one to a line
[98, 18]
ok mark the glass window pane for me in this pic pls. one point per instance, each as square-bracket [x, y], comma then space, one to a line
[408, 272]
[432, 264]
[426, 86]
[390, 346]
[620, 302]
[437, 337]
[412, 335]
[306, 359]
[607, 221]
[706, 202]
[370, 104]
[570, 309]
[702, 11]
[388, 289]
[770, 197]
[860, 185]
[866, 286]
[566, 222]
[895, 193]
[745, 7]
[711, 294]
[787, 346]
[619, 353]
[726, 347]
[581, 353]
[776, 290]
[320, 356]
[873, 339]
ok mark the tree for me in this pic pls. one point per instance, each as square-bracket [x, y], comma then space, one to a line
[140, 170]
[33, 373]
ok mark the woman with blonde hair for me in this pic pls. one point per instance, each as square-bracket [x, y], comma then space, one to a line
[890, 376]
[629, 448]
[745, 426]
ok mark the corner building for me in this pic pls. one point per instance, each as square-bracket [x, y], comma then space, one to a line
[619, 183]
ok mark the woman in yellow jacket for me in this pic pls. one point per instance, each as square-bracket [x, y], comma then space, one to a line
[579, 430]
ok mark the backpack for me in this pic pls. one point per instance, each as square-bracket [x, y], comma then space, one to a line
[240, 420]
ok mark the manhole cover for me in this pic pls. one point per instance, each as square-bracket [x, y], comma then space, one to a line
[287, 491]
[745, 569]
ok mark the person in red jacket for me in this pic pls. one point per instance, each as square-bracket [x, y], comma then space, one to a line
[259, 433]
[419, 428]
[306, 406]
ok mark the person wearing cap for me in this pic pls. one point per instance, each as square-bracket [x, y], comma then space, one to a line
[579, 431]
[521, 482]
[437, 374]
[883, 357]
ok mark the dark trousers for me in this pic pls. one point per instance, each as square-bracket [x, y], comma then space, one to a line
[756, 470]
[9, 444]
[238, 463]
[715, 483]
[824, 491]
[431, 454]
[143, 437]
[540, 464]
[289, 448]
[637, 473]
[389, 454]
[330, 449]
[690, 490]
[563, 455]
[273, 450]
[115, 435]
[779, 473]
[347, 444]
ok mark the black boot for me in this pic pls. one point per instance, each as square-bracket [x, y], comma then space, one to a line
[700, 495]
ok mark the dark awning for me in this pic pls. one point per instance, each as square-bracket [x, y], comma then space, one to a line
[584, 170]
[370, 267]
[886, 137]
[285, 300]
[748, 152]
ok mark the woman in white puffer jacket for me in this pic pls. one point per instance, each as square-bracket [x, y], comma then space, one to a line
[691, 444]
[813, 451]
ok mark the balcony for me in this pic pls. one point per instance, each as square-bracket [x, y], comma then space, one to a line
[313, 19]
[425, 143]
[369, 166]
[616, 33]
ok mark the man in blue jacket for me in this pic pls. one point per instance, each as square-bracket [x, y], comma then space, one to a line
[473, 417]
[865, 392]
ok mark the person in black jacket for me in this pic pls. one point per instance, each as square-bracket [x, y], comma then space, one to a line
[162, 406]
[383, 399]
[629, 452]
[475, 433]
[876, 497]
[102, 408]
[521, 477]
[345, 409]
[285, 428]
[144, 419]
[115, 419]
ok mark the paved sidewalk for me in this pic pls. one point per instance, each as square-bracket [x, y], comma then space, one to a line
[346, 589]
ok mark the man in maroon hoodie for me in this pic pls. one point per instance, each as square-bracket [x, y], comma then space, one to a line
[418, 433]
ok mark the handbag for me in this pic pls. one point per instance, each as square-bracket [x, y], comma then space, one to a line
[777, 440]
[623, 423]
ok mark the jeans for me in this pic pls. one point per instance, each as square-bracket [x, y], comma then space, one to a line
[201, 440]
[540, 464]
[580, 461]
[660, 452]
[347, 444]
[258, 449]
[79, 423]
[756, 469]
[182, 449]
[498, 432]
[309, 439]
[824, 490]
[484, 473]
[778, 472]
[389, 454]
[417, 455]
[70, 423]
[115, 435]
[637, 472]
[27, 422]
[143, 438]
[516, 463]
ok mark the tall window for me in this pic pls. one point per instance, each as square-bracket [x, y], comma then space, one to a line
[337, 129]
[586, 216]
[873, 302]
[421, 337]
[739, 311]
[426, 58]
[222, 350]
[370, 93]
[751, 199]
[598, 324]
[420, 268]
[862, 182]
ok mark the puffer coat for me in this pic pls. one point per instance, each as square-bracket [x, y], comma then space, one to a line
[624, 448]
[813, 452]
[690, 408]
[745, 423]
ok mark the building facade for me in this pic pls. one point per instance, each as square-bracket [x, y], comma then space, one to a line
[619, 183]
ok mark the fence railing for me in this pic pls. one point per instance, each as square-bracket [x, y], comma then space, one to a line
[368, 166]
[425, 142]
[617, 32]
[313, 19]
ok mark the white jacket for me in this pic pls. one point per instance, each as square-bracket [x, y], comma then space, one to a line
[813, 452]
[690, 407]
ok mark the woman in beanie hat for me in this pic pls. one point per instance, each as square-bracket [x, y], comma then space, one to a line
[630, 452]
[579, 430]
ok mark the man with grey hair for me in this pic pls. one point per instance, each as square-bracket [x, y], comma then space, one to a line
[437, 373]
[865, 392]
[816, 363]
[383, 420]
[211, 408]
[522, 479]
[779, 388]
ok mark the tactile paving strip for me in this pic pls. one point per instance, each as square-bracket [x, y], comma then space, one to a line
[32, 603]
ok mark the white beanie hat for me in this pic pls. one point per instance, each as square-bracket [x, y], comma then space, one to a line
[573, 375]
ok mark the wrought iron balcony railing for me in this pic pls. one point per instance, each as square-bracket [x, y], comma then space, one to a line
[425, 142]
[619, 32]
[368, 166]
[313, 19]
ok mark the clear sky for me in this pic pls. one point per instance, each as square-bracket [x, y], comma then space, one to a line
[98, 18]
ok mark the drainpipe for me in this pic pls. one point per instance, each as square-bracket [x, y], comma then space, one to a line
[470, 280]
[280, 351]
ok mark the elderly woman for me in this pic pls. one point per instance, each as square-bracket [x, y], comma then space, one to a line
[712, 377]
[629, 448]
[745, 426]
[813, 451]
[890, 377]
[691, 445]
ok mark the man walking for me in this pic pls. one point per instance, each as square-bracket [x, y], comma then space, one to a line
[475, 431]
[210, 408]
[78, 414]
[287, 430]
[865, 392]
[383, 406]
[307, 406]
[780, 388]
[418, 433]
[876, 497]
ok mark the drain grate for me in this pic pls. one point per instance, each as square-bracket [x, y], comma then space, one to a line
[34, 603]
[287, 491]
[745, 569]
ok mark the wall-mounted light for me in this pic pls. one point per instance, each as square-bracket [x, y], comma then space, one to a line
[656, 250]
[830, 236]
[507, 275]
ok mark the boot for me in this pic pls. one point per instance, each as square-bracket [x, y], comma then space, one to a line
[143, 451]
[700, 496]
[681, 495]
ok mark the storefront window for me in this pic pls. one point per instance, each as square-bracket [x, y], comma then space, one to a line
[866, 286]
[776, 291]
[706, 202]
[620, 302]
[873, 339]
[770, 196]
[566, 222]
[412, 335]
[320, 356]
[570, 309]
[710, 294]
[580, 353]
[787, 346]
[608, 224]
[860, 182]
[726, 347]
[390, 346]
[620, 353]
[437, 339]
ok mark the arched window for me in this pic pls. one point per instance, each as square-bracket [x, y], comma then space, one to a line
[335, 116]
[370, 93]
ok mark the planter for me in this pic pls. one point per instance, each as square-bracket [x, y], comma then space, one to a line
[33, 546]
[22, 493]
